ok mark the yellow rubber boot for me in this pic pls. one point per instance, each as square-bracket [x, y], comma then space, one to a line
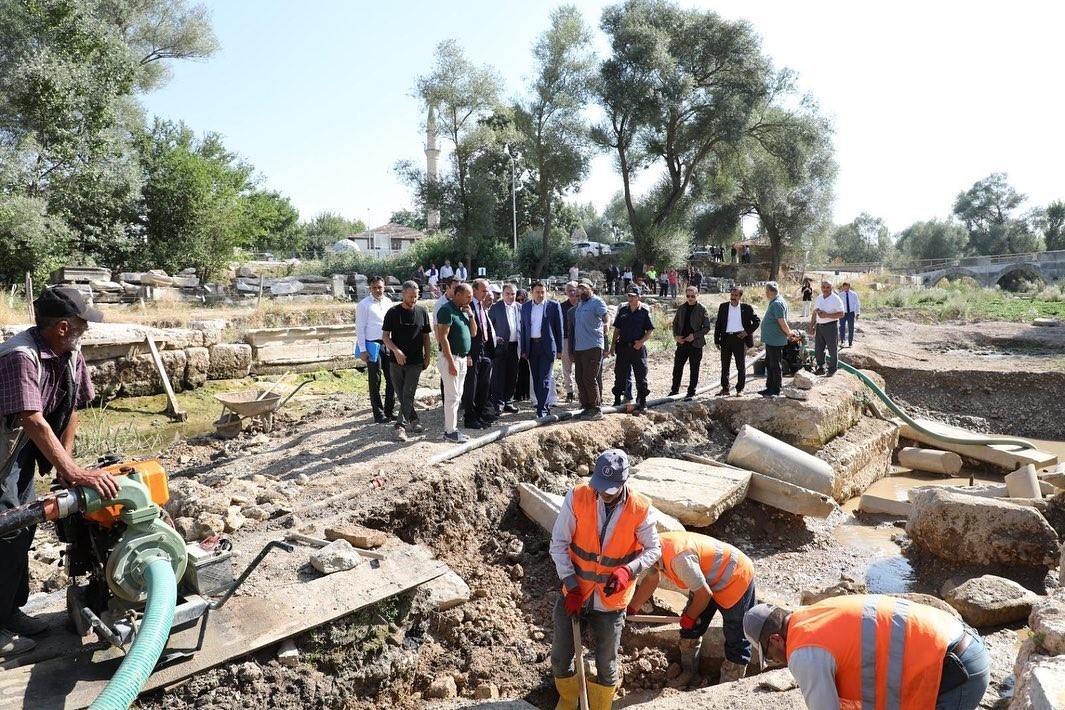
[569, 693]
[600, 697]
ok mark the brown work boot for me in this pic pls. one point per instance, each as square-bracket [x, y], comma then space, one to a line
[732, 671]
[689, 663]
[723, 393]
[12, 645]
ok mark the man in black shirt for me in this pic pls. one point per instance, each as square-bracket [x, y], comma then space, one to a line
[405, 332]
[632, 328]
[690, 327]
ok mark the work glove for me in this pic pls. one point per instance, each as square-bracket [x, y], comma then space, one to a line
[686, 622]
[632, 610]
[573, 602]
[619, 581]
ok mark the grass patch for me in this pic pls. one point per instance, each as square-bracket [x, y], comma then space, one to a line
[959, 302]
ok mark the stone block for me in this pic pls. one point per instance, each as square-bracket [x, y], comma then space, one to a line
[989, 600]
[104, 376]
[1040, 684]
[833, 407]
[861, 456]
[211, 330]
[696, 494]
[357, 535]
[447, 591]
[197, 362]
[981, 531]
[337, 556]
[1047, 623]
[229, 361]
[139, 377]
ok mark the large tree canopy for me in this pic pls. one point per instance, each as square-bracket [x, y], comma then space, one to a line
[989, 211]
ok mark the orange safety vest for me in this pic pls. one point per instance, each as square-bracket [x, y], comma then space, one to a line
[593, 565]
[889, 652]
[727, 570]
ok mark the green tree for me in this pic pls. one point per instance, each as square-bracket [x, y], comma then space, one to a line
[409, 218]
[193, 199]
[551, 120]
[1054, 232]
[935, 239]
[784, 174]
[269, 222]
[866, 239]
[679, 89]
[31, 240]
[466, 100]
[326, 229]
[988, 210]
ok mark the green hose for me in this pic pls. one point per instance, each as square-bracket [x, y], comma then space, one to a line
[974, 441]
[146, 648]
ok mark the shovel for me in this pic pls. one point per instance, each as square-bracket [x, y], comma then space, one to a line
[578, 658]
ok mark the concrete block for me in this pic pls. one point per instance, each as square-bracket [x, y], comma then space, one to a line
[696, 494]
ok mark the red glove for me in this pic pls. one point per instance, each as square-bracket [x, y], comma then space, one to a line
[619, 581]
[632, 611]
[574, 601]
[686, 622]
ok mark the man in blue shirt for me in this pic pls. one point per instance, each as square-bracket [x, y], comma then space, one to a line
[776, 333]
[588, 321]
[632, 328]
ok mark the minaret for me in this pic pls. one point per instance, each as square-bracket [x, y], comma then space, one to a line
[432, 152]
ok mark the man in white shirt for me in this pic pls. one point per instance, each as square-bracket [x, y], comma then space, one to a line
[369, 317]
[446, 271]
[461, 273]
[828, 309]
[574, 273]
[851, 309]
[567, 359]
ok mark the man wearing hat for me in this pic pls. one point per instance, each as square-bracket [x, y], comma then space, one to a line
[632, 328]
[876, 651]
[603, 539]
[43, 381]
[587, 326]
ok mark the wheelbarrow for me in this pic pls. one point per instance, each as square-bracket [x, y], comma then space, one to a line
[257, 405]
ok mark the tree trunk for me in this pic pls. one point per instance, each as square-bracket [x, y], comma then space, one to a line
[545, 209]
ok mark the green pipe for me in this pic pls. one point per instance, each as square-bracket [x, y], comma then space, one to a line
[974, 440]
[151, 639]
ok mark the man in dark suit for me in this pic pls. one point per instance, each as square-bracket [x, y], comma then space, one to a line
[505, 316]
[733, 334]
[541, 341]
[475, 408]
[691, 324]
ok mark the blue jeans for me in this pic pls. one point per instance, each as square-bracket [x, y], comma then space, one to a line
[967, 696]
[737, 647]
[846, 323]
[606, 629]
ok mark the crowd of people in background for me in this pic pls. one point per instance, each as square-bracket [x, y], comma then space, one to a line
[497, 344]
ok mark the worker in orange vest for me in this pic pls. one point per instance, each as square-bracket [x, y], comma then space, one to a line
[874, 651]
[717, 576]
[603, 539]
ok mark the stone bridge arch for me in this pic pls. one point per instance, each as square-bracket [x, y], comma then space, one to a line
[1011, 273]
[955, 272]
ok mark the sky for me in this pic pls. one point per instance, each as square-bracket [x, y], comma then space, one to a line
[926, 97]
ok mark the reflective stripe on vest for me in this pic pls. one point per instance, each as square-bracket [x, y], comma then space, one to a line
[889, 652]
[593, 563]
[727, 571]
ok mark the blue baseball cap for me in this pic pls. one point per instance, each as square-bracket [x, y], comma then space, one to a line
[611, 472]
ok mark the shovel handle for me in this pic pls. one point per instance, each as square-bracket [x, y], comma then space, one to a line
[578, 662]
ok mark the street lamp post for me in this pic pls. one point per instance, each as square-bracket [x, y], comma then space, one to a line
[513, 197]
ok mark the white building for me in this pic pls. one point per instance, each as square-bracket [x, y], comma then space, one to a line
[387, 240]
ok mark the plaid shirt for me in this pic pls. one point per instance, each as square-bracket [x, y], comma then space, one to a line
[19, 391]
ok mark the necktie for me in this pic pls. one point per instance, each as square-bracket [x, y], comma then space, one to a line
[481, 324]
[847, 295]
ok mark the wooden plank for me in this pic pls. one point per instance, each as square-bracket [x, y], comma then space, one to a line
[694, 493]
[1007, 457]
[172, 409]
[242, 626]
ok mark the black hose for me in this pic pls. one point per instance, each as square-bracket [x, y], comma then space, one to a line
[22, 517]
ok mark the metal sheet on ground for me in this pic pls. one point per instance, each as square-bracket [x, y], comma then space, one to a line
[243, 625]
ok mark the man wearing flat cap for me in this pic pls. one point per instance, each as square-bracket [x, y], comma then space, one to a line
[43, 381]
[603, 539]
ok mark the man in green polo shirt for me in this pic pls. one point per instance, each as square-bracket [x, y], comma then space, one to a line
[776, 333]
[455, 329]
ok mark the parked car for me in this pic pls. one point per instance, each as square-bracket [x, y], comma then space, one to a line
[590, 248]
[618, 246]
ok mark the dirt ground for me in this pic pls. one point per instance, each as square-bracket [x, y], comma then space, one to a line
[466, 512]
